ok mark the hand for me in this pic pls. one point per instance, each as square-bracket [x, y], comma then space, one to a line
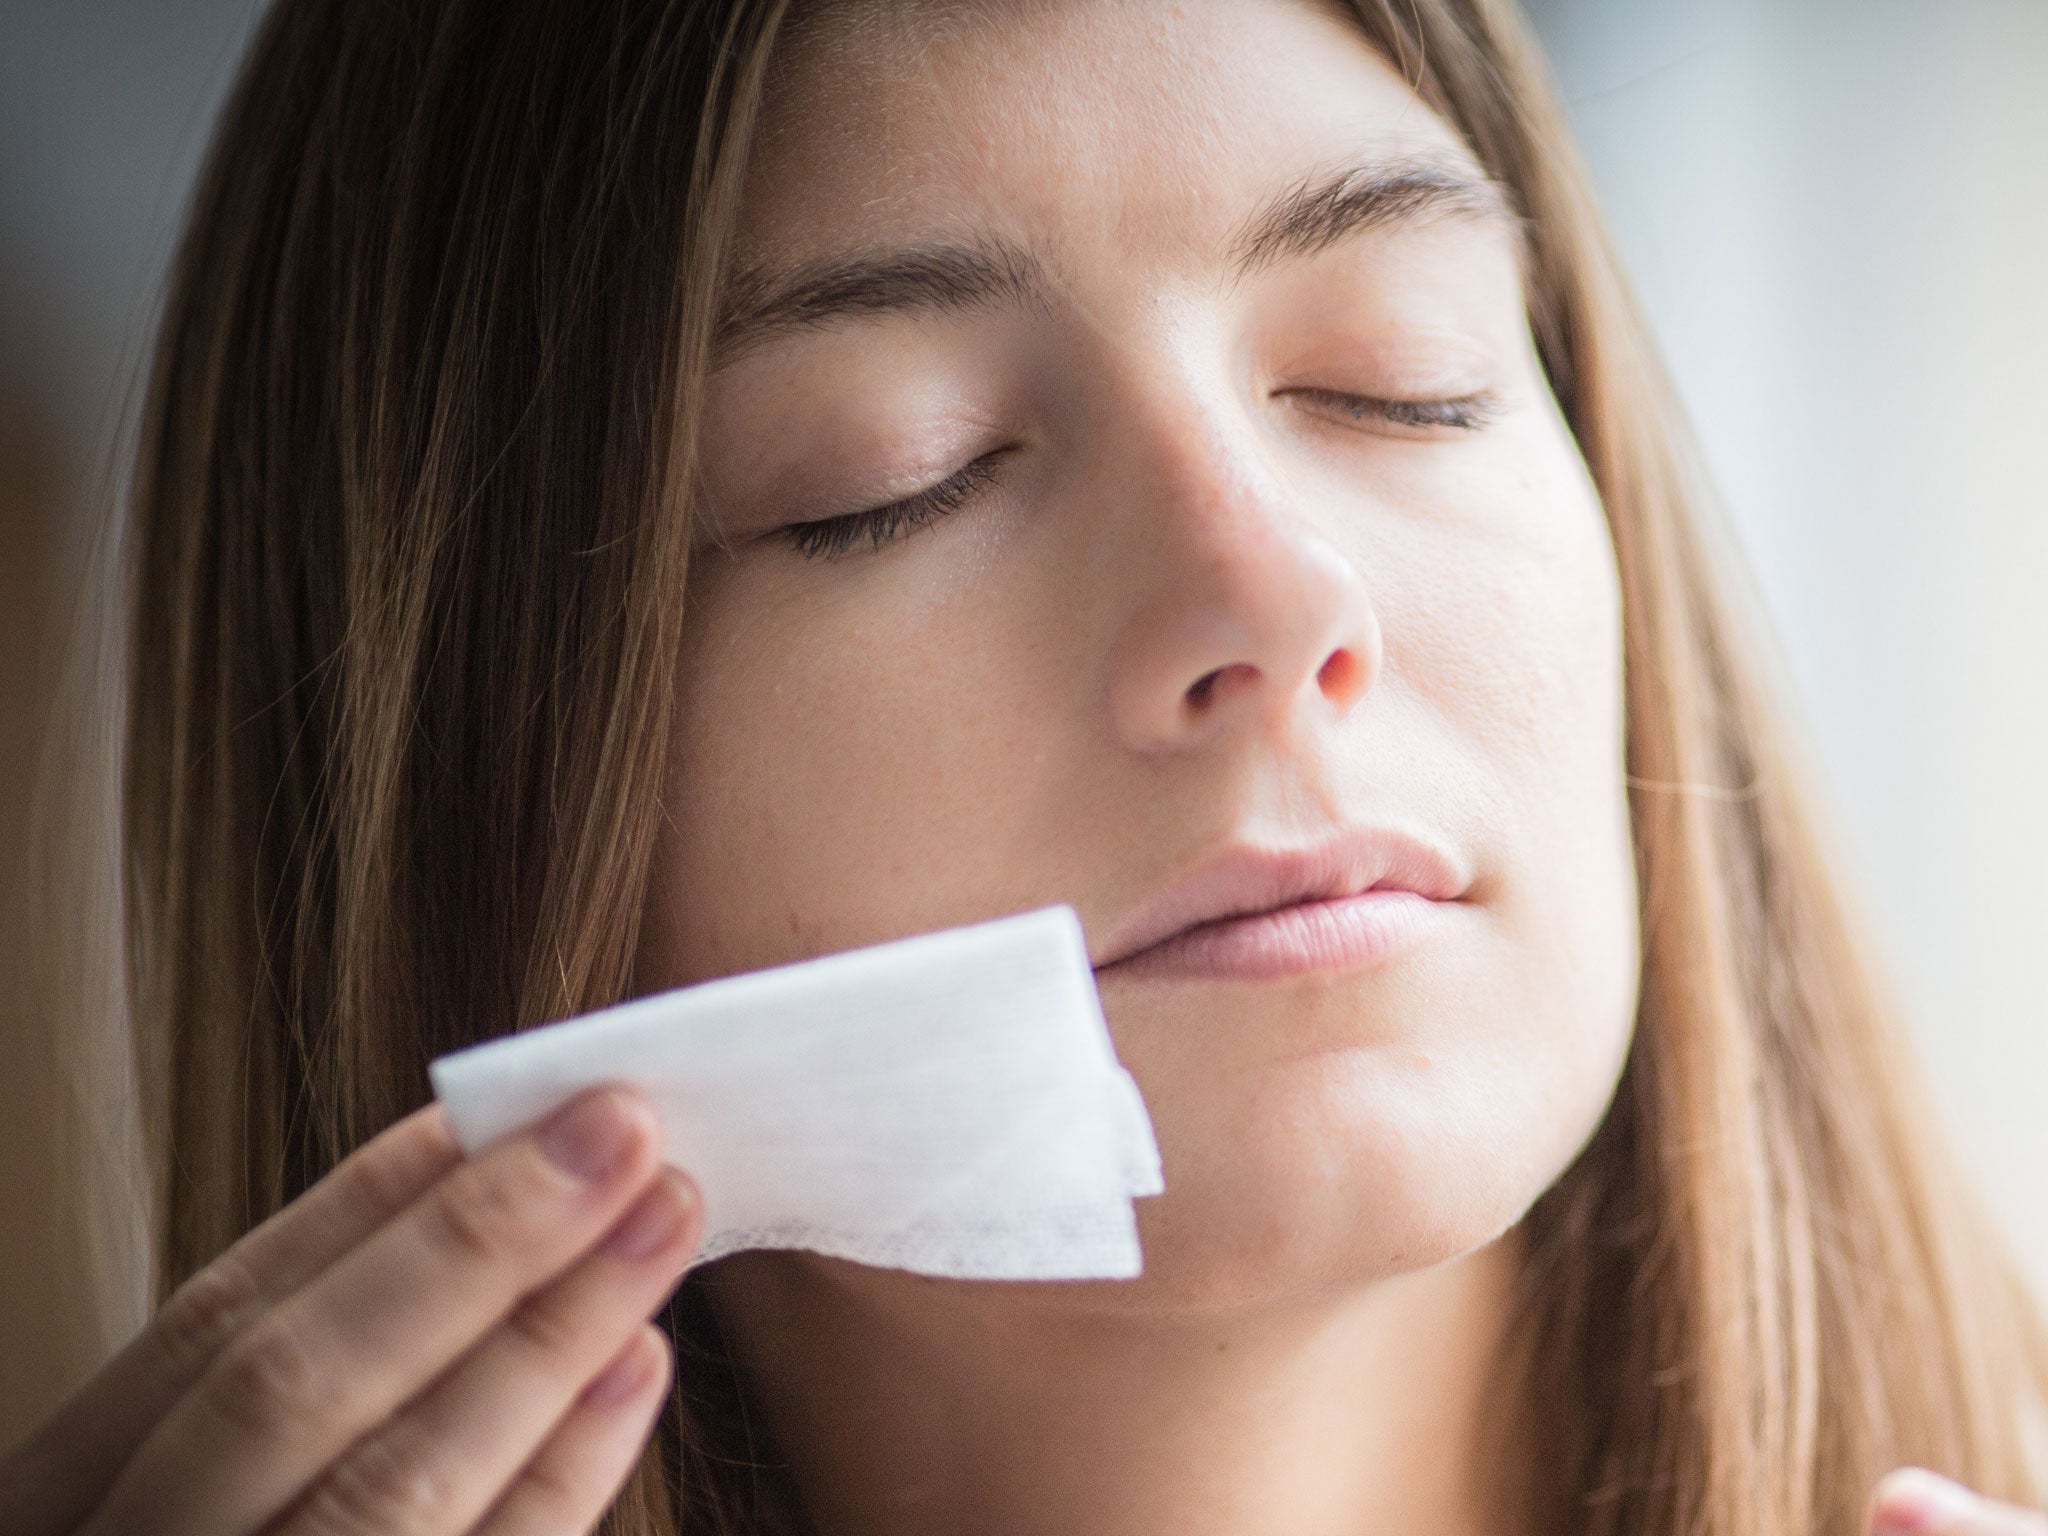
[1916, 1501]
[422, 1345]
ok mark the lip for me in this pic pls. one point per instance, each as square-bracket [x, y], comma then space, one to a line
[1352, 899]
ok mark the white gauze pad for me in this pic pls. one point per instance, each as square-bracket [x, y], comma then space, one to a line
[949, 1103]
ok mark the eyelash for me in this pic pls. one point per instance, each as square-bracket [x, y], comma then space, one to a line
[831, 537]
[1465, 412]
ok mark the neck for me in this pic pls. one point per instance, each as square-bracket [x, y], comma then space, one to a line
[921, 1408]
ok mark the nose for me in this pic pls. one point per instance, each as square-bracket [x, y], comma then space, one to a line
[1246, 616]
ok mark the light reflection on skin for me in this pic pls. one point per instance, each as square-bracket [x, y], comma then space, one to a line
[992, 713]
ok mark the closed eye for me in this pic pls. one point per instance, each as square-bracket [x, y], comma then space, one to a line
[827, 538]
[1464, 412]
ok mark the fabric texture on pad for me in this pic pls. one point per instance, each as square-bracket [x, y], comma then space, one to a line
[949, 1103]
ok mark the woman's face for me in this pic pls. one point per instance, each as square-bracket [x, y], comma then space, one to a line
[1200, 591]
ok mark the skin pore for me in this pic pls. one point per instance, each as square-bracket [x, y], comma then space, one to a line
[1204, 586]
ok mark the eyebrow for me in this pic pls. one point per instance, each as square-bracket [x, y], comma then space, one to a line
[956, 277]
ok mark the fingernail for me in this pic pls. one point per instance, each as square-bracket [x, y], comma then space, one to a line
[590, 1136]
[655, 1221]
[621, 1381]
[1914, 1500]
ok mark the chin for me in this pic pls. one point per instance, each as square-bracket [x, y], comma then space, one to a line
[1317, 1174]
[1320, 1137]
[1336, 1171]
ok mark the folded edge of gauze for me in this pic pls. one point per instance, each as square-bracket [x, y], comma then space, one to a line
[949, 1102]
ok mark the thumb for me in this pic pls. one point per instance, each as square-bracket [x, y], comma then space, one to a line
[1912, 1501]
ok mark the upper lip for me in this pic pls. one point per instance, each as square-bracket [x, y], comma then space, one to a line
[1245, 878]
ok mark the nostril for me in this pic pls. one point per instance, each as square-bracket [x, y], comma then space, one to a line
[1202, 692]
[1340, 674]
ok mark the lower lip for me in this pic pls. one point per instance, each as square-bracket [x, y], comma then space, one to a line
[1343, 934]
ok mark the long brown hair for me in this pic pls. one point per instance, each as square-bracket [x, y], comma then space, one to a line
[410, 529]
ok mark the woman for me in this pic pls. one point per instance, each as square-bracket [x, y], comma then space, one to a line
[635, 493]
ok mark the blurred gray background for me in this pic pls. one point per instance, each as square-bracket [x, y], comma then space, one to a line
[1836, 212]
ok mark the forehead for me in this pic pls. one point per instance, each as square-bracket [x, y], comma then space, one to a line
[1094, 130]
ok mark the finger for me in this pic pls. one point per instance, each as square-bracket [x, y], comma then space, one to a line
[1912, 1501]
[340, 1354]
[579, 1471]
[51, 1482]
[442, 1462]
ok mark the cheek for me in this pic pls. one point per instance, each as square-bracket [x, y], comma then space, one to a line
[1504, 652]
[837, 755]
[1529, 678]
[1509, 638]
